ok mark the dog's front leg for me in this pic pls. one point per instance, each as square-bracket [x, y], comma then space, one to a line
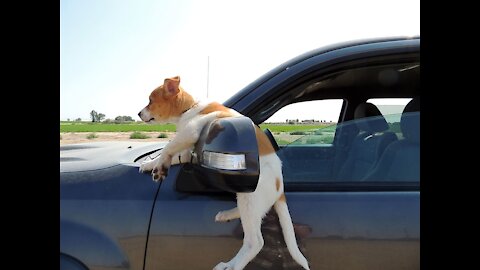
[183, 140]
[157, 166]
[161, 165]
[184, 156]
[147, 165]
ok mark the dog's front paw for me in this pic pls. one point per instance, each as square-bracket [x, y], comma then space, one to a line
[223, 266]
[160, 170]
[159, 174]
[146, 166]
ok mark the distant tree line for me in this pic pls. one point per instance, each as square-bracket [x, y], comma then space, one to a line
[96, 117]
[120, 119]
[308, 121]
[124, 119]
[99, 117]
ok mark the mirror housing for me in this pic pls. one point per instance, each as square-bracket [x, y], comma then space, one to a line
[227, 158]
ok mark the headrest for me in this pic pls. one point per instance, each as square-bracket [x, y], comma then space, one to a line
[410, 121]
[375, 121]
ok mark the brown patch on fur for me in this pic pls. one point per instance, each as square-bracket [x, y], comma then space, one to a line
[264, 145]
[224, 114]
[216, 107]
[277, 184]
[162, 106]
[282, 198]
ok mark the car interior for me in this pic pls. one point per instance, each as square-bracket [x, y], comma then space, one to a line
[364, 148]
[368, 145]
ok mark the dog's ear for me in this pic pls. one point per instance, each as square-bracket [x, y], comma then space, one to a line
[171, 86]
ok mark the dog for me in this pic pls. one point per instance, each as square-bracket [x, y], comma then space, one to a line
[170, 103]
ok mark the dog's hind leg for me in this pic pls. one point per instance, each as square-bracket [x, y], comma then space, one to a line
[227, 215]
[288, 232]
[251, 211]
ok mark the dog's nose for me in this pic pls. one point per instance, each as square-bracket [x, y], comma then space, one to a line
[140, 114]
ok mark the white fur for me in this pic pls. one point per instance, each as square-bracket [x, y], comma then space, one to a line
[251, 207]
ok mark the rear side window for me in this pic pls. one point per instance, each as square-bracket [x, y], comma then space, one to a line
[380, 145]
[391, 109]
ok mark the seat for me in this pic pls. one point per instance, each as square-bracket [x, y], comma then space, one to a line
[368, 145]
[401, 159]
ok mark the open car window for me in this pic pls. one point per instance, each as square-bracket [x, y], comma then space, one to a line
[370, 149]
[321, 136]
[309, 120]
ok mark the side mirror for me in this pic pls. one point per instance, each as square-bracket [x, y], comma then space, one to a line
[227, 155]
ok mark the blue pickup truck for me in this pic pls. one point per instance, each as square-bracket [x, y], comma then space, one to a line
[352, 182]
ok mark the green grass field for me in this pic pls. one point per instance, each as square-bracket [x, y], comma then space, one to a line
[104, 127]
[290, 128]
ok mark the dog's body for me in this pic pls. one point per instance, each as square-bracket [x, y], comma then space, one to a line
[169, 103]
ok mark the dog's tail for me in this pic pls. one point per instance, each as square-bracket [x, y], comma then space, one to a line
[288, 233]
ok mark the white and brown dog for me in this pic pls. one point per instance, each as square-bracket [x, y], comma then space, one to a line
[170, 103]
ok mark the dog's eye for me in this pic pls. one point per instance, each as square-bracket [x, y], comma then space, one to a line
[149, 101]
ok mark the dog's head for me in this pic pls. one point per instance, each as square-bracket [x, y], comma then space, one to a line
[167, 103]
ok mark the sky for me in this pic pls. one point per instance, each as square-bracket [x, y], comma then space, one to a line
[113, 53]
